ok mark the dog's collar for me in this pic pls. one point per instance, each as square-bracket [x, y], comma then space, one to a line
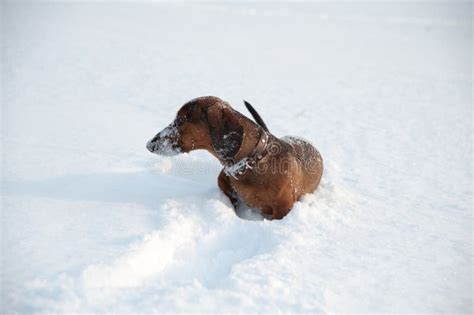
[234, 168]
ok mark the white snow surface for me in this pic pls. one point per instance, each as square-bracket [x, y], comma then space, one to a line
[92, 222]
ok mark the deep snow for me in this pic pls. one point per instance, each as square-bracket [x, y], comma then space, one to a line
[92, 222]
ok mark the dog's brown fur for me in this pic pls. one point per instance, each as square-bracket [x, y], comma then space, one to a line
[288, 169]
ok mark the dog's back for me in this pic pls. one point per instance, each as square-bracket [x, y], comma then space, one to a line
[309, 161]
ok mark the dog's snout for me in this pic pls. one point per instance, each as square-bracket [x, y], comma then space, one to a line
[150, 146]
[166, 142]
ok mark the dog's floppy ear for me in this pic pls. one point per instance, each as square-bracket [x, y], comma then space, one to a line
[225, 130]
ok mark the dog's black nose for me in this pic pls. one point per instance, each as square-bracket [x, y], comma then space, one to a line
[150, 145]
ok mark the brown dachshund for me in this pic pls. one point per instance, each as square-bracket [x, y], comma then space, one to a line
[267, 173]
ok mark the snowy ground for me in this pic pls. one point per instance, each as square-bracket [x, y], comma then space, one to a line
[92, 222]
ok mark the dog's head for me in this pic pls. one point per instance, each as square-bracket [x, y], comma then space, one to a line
[203, 123]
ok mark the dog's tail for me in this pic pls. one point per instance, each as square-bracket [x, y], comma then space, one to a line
[255, 115]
